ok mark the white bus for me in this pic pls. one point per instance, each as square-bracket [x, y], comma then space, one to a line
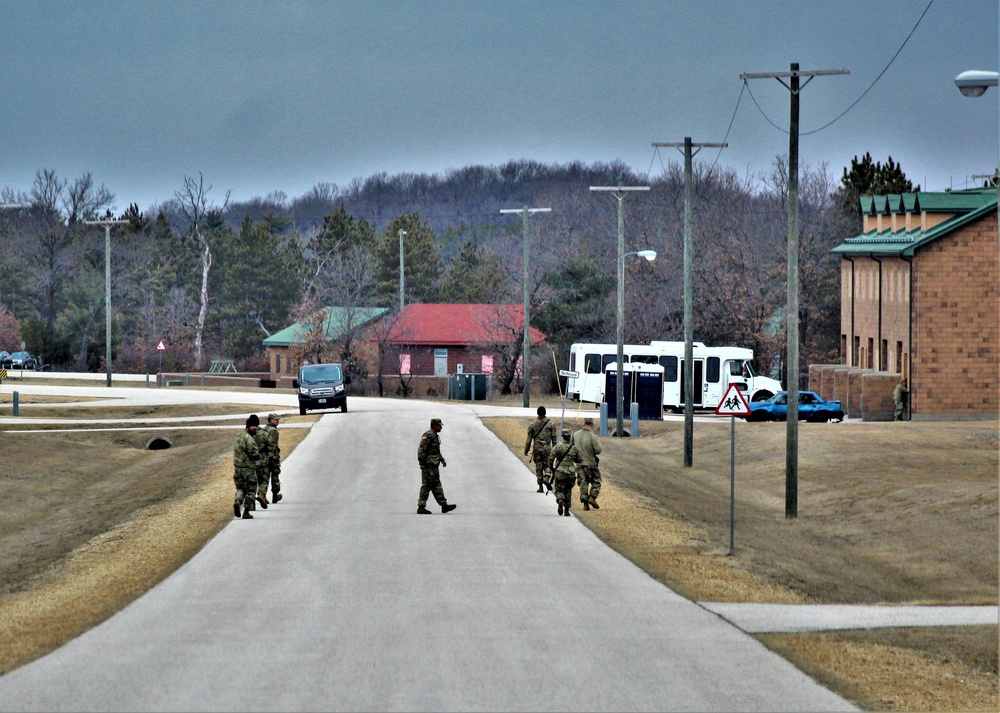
[715, 368]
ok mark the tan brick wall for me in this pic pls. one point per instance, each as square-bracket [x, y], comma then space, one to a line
[955, 370]
[957, 328]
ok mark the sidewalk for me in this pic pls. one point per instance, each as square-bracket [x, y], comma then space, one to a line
[788, 618]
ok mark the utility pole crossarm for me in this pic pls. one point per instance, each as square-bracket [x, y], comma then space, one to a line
[793, 73]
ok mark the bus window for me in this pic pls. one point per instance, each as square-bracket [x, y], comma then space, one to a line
[610, 359]
[712, 371]
[644, 359]
[736, 368]
[592, 364]
[669, 364]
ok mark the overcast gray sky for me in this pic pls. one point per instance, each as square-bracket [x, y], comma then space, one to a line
[279, 96]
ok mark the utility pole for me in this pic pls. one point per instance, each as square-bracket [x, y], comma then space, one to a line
[619, 193]
[107, 223]
[792, 301]
[688, 297]
[526, 356]
[401, 234]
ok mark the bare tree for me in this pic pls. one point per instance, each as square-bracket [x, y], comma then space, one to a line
[195, 206]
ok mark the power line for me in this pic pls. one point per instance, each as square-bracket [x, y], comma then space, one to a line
[865, 92]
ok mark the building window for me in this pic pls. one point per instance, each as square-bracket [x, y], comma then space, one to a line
[899, 357]
[487, 364]
[844, 359]
[883, 356]
[871, 353]
[404, 363]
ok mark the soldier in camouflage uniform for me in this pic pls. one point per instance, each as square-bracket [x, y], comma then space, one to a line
[541, 434]
[429, 456]
[246, 454]
[272, 467]
[564, 460]
[588, 475]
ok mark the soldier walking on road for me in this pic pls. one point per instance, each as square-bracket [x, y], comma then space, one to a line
[272, 468]
[588, 473]
[541, 435]
[429, 456]
[564, 460]
[246, 453]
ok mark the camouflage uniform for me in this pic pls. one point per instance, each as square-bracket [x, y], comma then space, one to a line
[263, 440]
[271, 469]
[588, 473]
[246, 453]
[564, 460]
[274, 456]
[541, 434]
[429, 457]
[899, 395]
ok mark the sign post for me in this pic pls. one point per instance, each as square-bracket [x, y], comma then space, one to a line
[733, 404]
[562, 416]
[160, 348]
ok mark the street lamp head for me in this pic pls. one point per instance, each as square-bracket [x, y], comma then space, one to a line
[975, 82]
[648, 254]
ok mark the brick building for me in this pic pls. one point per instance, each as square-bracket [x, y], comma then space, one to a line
[920, 297]
[338, 324]
[442, 339]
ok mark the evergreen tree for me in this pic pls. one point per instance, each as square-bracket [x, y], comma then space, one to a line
[475, 276]
[422, 263]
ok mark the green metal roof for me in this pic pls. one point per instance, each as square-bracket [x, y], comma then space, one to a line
[967, 205]
[339, 321]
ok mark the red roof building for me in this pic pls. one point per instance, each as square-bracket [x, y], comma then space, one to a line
[442, 339]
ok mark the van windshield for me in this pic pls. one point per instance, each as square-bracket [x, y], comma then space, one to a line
[321, 372]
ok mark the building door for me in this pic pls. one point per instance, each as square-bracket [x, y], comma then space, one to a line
[440, 362]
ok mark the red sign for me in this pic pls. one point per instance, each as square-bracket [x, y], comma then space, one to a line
[161, 347]
[734, 403]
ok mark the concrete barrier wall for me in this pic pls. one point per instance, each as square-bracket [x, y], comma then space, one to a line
[876, 395]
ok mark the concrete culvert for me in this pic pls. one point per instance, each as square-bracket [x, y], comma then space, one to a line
[159, 443]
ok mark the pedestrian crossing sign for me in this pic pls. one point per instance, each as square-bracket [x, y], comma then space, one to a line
[734, 403]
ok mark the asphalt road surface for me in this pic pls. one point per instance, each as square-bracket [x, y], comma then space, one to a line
[341, 597]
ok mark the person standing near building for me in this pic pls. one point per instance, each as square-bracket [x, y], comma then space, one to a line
[899, 395]
[588, 472]
[564, 460]
[272, 468]
[246, 454]
[429, 457]
[541, 438]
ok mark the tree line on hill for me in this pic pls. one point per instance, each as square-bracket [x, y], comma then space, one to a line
[213, 277]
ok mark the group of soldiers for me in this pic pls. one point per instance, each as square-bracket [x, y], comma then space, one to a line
[256, 463]
[558, 466]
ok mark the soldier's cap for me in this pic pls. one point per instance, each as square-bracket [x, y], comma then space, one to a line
[567, 433]
[274, 417]
[254, 420]
[437, 422]
[540, 411]
[588, 422]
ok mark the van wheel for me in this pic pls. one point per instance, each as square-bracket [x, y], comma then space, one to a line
[343, 408]
[762, 396]
[302, 410]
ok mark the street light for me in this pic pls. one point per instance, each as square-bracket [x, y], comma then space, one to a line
[107, 223]
[619, 192]
[975, 82]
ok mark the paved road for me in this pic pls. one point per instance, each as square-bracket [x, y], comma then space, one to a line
[342, 598]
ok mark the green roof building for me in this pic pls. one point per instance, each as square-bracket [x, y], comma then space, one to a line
[920, 297]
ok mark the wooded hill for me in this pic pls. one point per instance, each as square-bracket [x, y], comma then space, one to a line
[214, 278]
